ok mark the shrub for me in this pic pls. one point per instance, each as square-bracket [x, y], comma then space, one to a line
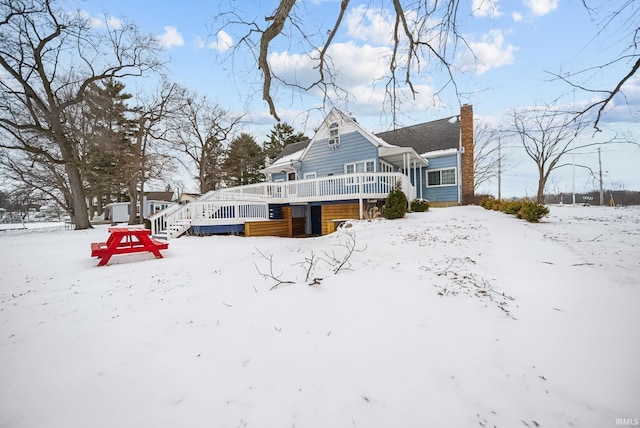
[487, 203]
[419, 205]
[524, 209]
[511, 207]
[396, 204]
[479, 197]
[532, 211]
[491, 203]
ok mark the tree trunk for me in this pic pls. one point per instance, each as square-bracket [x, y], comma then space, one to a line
[133, 198]
[136, 168]
[542, 183]
[141, 201]
[80, 211]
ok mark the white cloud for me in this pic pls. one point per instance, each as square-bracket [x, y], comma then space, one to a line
[486, 8]
[360, 70]
[352, 65]
[541, 7]
[223, 42]
[370, 24]
[517, 16]
[114, 22]
[170, 37]
[111, 21]
[490, 52]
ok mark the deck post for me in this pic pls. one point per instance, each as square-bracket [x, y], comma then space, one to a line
[360, 205]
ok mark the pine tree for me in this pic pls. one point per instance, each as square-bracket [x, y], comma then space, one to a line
[396, 204]
[107, 142]
[244, 160]
[280, 136]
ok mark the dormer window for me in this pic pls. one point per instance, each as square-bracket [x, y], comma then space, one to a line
[334, 135]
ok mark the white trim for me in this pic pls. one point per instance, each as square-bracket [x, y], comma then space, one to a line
[455, 176]
[334, 135]
[347, 125]
[310, 175]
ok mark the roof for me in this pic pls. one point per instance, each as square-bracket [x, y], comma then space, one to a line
[292, 148]
[426, 137]
[159, 196]
[396, 156]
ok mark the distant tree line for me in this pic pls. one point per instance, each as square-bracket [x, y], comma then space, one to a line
[617, 197]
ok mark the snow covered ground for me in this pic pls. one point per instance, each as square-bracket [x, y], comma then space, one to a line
[451, 318]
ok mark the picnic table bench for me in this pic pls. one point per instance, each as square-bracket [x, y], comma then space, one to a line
[126, 240]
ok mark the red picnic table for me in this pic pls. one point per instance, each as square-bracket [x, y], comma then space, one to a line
[126, 240]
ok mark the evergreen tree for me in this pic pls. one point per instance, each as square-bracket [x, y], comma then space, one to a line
[244, 160]
[281, 135]
[107, 142]
[396, 204]
[212, 165]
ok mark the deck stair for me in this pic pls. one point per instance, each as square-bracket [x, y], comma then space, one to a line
[212, 209]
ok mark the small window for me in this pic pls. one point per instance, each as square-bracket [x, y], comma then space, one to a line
[309, 175]
[334, 135]
[442, 177]
[370, 166]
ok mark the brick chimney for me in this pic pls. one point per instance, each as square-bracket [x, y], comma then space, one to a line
[466, 142]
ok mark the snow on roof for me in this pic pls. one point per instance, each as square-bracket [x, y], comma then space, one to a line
[436, 153]
[286, 160]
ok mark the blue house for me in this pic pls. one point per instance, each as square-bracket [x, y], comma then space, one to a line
[341, 173]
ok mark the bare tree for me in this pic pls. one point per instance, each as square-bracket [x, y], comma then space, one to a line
[26, 171]
[425, 35]
[147, 160]
[202, 133]
[622, 20]
[488, 156]
[49, 59]
[546, 136]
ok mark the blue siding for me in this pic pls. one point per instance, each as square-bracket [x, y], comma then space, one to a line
[440, 193]
[450, 161]
[221, 229]
[279, 176]
[323, 160]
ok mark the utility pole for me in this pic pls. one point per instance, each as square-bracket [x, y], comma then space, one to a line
[499, 170]
[573, 162]
[601, 185]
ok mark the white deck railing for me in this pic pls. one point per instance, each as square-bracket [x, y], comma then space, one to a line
[336, 187]
[235, 205]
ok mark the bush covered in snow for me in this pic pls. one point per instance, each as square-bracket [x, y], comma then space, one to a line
[419, 205]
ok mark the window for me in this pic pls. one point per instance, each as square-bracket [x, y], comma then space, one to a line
[334, 135]
[360, 168]
[442, 177]
[385, 167]
[364, 166]
[308, 175]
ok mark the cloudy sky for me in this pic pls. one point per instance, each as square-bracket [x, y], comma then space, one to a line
[517, 47]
